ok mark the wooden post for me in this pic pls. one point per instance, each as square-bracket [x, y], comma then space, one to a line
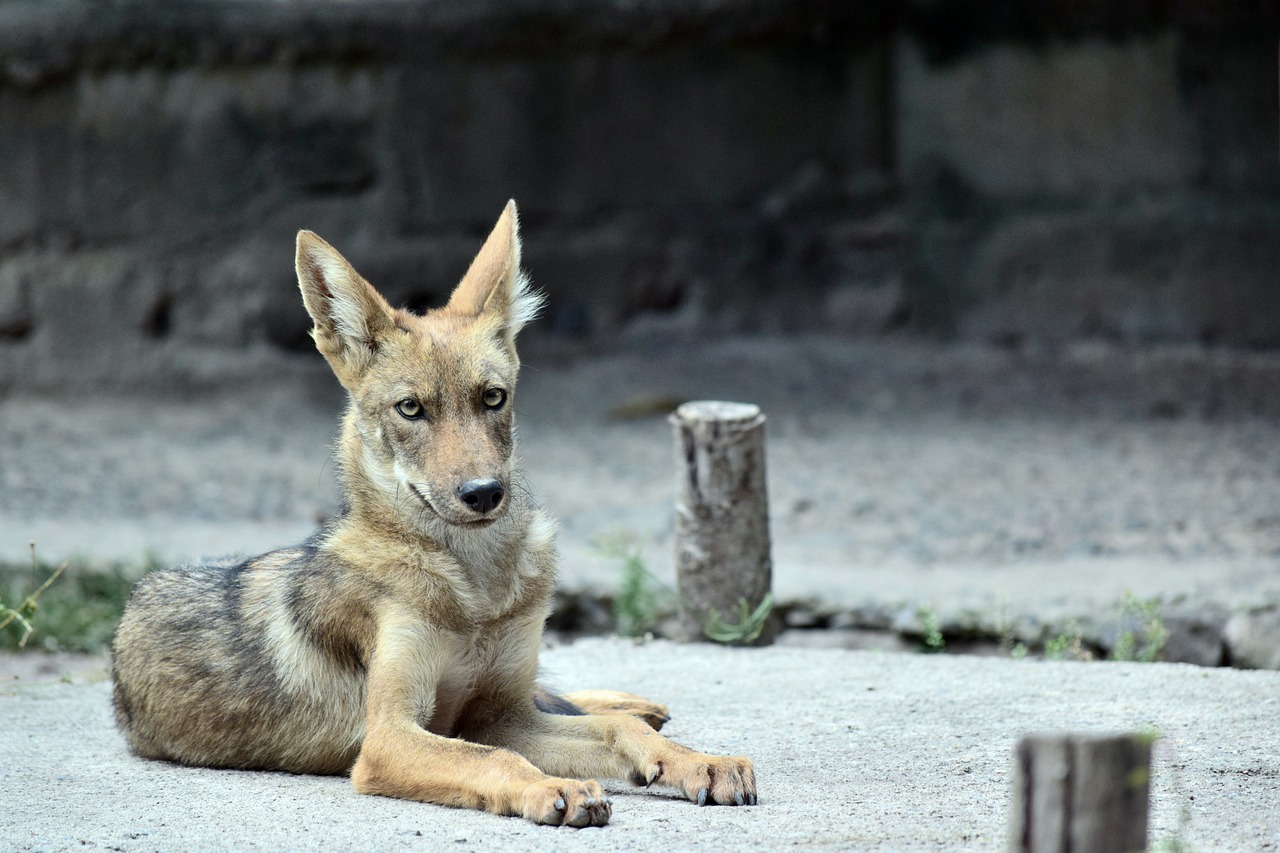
[1082, 792]
[722, 522]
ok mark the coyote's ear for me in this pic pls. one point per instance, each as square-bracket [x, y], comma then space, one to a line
[494, 287]
[350, 317]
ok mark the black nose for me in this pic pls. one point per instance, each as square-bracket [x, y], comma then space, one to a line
[481, 495]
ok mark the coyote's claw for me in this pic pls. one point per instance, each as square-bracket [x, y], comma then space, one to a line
[576, 803]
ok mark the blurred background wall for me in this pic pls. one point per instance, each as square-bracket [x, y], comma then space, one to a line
[1021, 174]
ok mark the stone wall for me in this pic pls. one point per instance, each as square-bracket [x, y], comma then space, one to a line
[1113, 178]
[683, 167]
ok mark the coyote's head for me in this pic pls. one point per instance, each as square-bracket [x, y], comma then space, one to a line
[430, 427]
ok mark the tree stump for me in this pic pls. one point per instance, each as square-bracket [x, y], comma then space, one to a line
[724, 571]
[1082, 792]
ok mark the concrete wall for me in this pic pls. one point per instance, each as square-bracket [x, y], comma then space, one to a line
[682, 168]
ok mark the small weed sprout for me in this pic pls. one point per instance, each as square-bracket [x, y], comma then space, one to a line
[1151, 632]
[1172, 844]
[748, 627]
[1055, 648]
[933, 639]
[25, 611]
[1069, 645]
[1004, 627]
[1009, 642]
[1125, 646]
[635, 608]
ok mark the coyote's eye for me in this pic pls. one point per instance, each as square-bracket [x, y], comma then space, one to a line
[494, 398]
[410, 409]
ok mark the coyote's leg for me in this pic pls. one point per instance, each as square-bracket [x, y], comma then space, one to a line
[617, 702]
[400, 758]
[619, 746]
[417, 765]
[603, 702]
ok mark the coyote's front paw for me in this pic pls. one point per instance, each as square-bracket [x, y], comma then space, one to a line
[566, 802]
[710, 780]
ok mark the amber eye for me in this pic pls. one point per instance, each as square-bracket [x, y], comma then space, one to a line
[494, 398]
[410, 409]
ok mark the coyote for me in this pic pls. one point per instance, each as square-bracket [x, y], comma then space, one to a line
[400, 643]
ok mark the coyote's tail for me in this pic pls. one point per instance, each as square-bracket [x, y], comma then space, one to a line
[553, 703]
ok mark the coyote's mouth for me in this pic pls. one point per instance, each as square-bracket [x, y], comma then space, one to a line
[472, 524]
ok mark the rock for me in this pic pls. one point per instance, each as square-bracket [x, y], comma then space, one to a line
[1194, 639]
[862, 309]
[845, 638]
[806, 614]
[1253, 638]
[869, 615]
[16, 320]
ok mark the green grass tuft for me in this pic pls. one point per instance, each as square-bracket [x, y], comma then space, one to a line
[72, 607]
[636, 608]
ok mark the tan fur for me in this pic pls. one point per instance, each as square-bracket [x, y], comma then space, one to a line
[400, 644]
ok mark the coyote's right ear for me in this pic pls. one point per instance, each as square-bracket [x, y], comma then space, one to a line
[350, 317]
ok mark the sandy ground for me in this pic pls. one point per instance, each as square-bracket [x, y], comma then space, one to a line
[854, 751]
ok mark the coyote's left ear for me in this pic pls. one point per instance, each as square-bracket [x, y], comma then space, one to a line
[351, 319]
[494, 287]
